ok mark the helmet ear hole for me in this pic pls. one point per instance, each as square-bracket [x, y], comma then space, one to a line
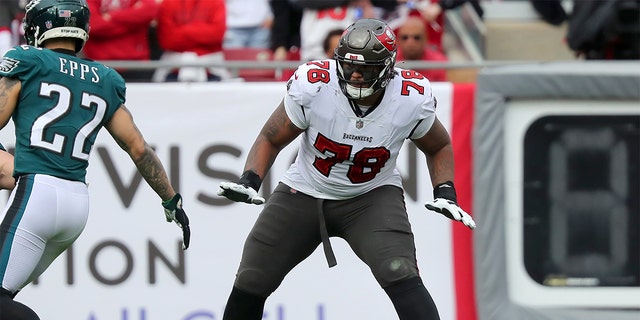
[367, 46]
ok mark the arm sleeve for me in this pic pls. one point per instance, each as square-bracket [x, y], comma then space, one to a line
[426, 114]
[297, 98]
[295, 111]
[119, 98]
[17, 63]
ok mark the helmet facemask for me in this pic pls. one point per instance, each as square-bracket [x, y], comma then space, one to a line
[369, 78]
[366, 56]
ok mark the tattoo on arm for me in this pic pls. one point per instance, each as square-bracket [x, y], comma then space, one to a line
[121, 144]
[149, 165]
[276, 133]
[154, 173]
[6, 85]
[278, 121]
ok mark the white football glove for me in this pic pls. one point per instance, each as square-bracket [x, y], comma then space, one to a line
[239, 193]
[451, 210]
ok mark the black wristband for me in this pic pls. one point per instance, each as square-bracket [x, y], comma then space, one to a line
[250, 179]
[445, 190]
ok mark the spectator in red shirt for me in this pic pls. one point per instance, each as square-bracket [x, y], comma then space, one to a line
[432, 13]
[119, 31]
[413, 45]
[190, 31]
[433, 19]
[11, 33]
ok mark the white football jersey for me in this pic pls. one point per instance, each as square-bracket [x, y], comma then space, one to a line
[342, 155]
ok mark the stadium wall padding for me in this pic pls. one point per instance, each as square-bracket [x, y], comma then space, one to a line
[496, 87]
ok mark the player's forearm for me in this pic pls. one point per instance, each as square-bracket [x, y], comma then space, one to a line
[276, 134]
[261, 157]
[154, 173]
[7, 182]
[441, 165]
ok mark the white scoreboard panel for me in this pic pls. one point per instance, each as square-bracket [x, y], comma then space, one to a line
[572, 215]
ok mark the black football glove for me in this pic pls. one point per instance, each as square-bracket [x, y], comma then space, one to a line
[174, 213]
[445, 203]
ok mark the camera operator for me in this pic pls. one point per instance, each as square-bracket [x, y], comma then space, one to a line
[599, 29]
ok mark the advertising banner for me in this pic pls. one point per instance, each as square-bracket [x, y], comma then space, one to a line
[128, 264]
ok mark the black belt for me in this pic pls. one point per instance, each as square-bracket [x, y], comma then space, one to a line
[324, 235]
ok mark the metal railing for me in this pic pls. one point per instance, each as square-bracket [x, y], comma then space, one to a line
[234, 66]
[468, 29]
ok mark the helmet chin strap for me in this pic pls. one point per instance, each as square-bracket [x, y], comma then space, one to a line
[358, 93]
[36, 35]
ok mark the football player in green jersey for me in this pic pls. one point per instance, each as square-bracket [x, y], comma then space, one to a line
[59, 103]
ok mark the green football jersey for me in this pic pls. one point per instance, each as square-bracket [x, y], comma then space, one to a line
[64, 102]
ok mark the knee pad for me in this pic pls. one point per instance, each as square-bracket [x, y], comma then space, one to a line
[411, 300]
[243, 305]
[255, 282]
[394, 269]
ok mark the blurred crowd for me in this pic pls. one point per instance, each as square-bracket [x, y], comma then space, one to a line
[198, 33]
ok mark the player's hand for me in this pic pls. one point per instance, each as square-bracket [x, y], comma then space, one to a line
[174, 213]
[451, 210]
[239, 193]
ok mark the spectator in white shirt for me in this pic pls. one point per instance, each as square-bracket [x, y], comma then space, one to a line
[248, 24]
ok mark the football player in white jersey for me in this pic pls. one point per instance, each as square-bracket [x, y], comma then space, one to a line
[354, 112]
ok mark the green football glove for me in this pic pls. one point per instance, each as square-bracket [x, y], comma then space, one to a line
[174, 213]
